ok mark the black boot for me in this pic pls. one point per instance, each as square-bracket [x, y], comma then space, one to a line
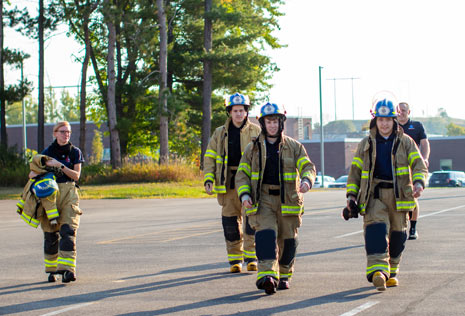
[68, 276]
[283, 284]
[52, 277]
[268, 284]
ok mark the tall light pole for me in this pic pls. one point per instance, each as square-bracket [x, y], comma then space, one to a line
[322, 145]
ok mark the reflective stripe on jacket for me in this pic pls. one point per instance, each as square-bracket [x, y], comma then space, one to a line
[408, 168]
[30, 207]
[294, 162]
[216, 156]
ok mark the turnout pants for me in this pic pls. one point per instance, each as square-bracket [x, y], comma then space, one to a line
[275, 237]
[385, 231]
[239, 236]
[60, 239]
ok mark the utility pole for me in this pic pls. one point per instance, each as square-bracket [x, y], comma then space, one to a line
[322, 141]
[24, 115]
[353, 107]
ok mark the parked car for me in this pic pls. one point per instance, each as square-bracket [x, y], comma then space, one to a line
[447, 179]
[328, 180]
[340, 182]
[427, 179]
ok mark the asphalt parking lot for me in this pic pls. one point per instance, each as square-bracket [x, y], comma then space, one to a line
[167, 257]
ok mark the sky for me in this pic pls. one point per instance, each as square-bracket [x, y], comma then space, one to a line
[413, 49]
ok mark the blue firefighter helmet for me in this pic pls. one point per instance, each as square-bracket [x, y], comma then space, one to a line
[45, 186]
[271, 109]
[384, 108]
[237, 99]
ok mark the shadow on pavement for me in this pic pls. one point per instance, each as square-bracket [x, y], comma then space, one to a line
[100, 295]
[344, 296]
[320, 252]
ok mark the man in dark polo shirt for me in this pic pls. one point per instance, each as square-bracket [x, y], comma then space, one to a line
[415, 130]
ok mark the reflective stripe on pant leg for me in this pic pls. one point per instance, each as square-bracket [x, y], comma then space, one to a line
[249, 242]
[70, 213]
[50, 251]
[288, 243]
[286, 263]
[232, 236]
[396, 247]
[394, 270]
[265, 245]
[376, 248]
[67, 252]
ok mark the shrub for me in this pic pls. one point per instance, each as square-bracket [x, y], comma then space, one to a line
[14, 169]
[140, 172]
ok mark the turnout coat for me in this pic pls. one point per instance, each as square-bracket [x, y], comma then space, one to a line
[294, 165]
[408, 168]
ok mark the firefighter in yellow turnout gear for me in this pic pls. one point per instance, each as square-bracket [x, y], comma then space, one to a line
[59, 233]
[274, 172]
[386, 176]
[221, 161]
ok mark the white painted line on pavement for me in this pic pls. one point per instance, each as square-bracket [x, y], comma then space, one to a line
[438, 212]
[361, 308]
[67, 309]
[350, 234]
[421, 216]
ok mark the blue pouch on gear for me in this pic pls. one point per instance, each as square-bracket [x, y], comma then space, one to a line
[45, 185]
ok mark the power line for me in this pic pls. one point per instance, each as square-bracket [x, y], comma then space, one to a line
[353, 108]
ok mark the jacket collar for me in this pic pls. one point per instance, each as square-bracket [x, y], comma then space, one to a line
[229, 121]
[262, 138]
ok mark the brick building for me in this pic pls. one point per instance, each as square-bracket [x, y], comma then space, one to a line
[15, 136]
[446, 153]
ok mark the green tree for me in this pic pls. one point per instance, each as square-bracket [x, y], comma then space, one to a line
[340, 127]
[442, 113]
[14, 92]
[78, 14]
[241, 31]
[52, 109]
[14, 114]
[97, 148]
[455, 130]
[31, 110]
[38, 28]
[69, 107]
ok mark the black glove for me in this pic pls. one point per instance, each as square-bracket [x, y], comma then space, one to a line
[351, 211]
[56, 171]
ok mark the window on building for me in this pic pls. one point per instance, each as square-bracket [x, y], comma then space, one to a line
[445, 164]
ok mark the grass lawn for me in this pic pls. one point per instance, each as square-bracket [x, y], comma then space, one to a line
[129, 191]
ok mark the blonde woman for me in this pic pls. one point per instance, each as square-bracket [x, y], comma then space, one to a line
[60, 238]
